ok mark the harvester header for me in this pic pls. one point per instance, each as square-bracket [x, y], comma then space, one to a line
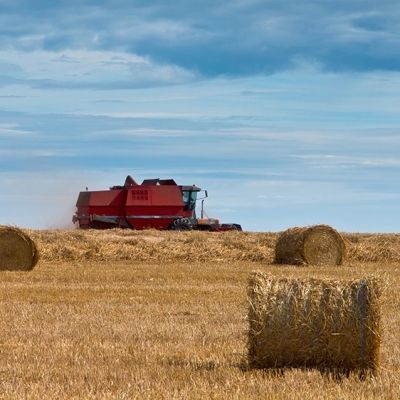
[155, 203]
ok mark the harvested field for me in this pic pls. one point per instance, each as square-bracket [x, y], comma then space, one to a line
[163, 315]
[151, 245]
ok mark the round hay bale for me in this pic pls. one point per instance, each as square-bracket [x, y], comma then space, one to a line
[18, 251]
[315, 245]
[313, 323]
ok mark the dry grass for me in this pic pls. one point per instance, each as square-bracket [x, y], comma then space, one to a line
[122, 315]
[151, 245]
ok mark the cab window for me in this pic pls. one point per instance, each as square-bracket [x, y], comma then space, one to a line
[189, 198]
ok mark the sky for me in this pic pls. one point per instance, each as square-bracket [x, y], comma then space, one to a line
[287, 112]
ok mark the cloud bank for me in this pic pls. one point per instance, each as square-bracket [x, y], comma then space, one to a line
[233, 38]
[286, 111]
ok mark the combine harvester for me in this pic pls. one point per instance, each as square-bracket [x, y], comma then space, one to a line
[155, 204]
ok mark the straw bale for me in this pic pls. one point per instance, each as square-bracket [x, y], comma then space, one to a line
[18, 251]
[324, 324]
[316, 245]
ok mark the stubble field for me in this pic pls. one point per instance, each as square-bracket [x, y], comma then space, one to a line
[123, 315]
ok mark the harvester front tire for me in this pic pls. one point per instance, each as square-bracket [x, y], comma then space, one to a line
[182, 224]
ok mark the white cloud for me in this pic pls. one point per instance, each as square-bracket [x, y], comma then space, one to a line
[12, 130]
[89, 67]
[141, 132]
[333, 160]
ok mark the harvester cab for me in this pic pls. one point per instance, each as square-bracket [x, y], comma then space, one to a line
[156, 203]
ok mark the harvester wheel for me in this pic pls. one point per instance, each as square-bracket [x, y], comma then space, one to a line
[181, 224]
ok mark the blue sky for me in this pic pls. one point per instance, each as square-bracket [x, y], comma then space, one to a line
[287, 112]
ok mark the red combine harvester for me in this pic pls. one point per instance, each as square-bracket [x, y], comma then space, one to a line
[156, 203]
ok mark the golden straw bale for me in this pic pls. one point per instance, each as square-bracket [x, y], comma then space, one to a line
[316, 245]
[324, 324]
[18, 251]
